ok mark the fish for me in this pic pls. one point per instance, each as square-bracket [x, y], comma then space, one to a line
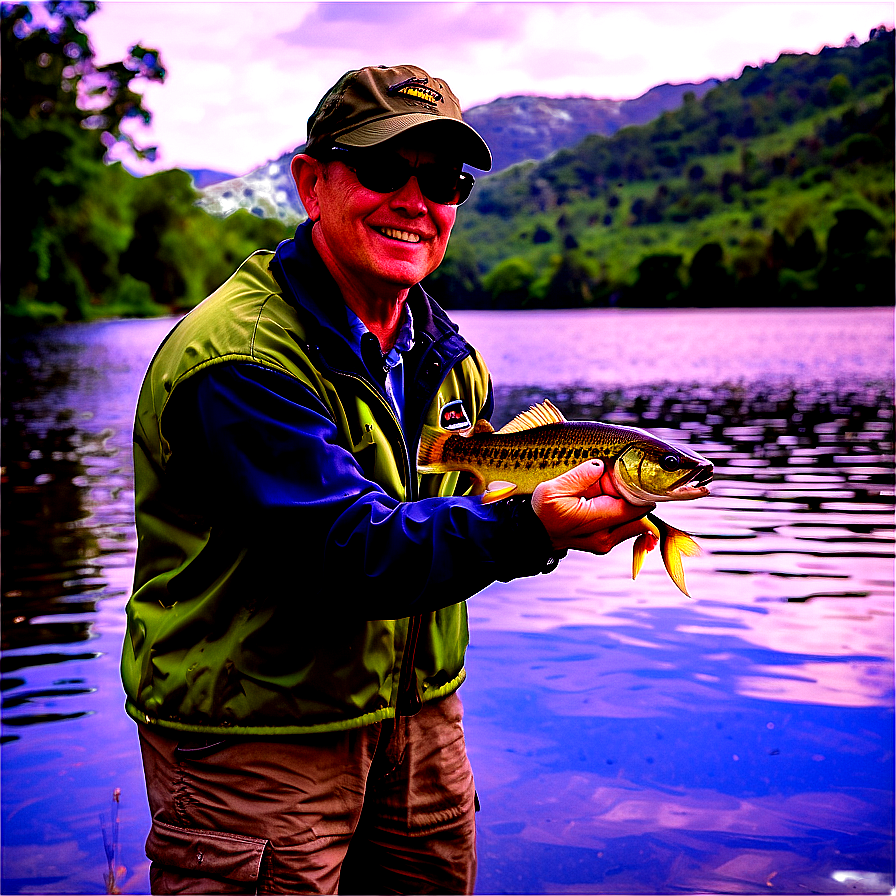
[540, 444]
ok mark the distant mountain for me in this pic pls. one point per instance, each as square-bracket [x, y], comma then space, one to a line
[516, 128]
[523, 128]
[268, 192]
[205, 177]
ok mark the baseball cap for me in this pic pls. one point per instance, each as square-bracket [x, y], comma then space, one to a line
[368, 106]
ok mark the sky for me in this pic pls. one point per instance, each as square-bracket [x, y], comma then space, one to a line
[243, 77]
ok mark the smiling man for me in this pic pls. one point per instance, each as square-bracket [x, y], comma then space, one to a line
[297, 629]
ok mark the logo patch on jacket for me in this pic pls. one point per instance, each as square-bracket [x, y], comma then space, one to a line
[454, 416]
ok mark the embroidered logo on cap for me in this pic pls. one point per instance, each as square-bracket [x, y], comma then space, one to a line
[454, 416]
[416, 89]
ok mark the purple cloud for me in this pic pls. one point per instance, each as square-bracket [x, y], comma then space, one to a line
[401, 29]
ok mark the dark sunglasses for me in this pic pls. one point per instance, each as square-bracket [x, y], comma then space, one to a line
[387, 172]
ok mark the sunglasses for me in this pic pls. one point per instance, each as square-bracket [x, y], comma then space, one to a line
[388, 172]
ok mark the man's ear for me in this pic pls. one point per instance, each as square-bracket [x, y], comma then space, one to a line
[307, 173]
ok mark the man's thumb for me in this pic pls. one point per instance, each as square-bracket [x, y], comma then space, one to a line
[577, 480]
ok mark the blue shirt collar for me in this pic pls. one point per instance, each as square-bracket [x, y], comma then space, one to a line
[404, 342]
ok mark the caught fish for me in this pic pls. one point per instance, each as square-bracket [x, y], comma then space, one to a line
[541, 444]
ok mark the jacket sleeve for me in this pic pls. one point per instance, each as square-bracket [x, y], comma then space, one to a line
[260, 453]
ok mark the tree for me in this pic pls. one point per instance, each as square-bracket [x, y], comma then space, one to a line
[61, 116]
[710, 281]
[849, 272]
[658, 282]
[574, 282]
[509, 282]
[839, 88]
[455, 283]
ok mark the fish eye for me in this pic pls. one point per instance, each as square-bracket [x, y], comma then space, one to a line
[670, 462]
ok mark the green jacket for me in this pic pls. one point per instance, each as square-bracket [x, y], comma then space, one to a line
[294, 573]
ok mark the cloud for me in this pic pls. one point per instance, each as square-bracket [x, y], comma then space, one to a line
[243, 77]
[402, 29]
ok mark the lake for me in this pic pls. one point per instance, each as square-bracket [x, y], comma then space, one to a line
[625, 738]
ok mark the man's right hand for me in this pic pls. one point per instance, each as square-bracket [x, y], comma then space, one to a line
[582, 510]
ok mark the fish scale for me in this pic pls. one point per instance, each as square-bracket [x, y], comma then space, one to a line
[552, 448]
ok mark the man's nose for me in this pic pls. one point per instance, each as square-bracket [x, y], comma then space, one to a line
[409, 198]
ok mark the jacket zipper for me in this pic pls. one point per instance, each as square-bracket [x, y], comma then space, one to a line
[409, 479]
[408, 702]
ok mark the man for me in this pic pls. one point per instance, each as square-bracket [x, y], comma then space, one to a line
[297, 628]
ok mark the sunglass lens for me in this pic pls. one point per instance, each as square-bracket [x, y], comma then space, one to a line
[383, 175]
[387, 173]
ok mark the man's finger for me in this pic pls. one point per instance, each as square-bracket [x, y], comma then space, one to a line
[575, 482]
[604, 540]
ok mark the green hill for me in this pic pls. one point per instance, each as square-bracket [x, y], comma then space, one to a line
[523, 128]
[773, 188]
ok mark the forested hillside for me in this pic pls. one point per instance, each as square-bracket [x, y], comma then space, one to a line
[774, 188]
[520, 128]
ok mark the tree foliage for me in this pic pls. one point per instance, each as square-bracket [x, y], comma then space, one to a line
[83, 237]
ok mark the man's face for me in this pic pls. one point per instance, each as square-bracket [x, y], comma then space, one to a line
[381, 241]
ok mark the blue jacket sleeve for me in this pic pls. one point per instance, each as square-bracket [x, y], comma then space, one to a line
[259, 450]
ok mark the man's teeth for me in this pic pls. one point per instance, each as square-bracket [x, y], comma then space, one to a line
[400, 235]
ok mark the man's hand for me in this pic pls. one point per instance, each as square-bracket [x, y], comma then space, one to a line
[582, 509]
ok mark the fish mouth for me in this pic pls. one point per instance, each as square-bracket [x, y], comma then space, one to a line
[694, 484]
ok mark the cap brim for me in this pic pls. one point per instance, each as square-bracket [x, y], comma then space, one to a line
[473, 148]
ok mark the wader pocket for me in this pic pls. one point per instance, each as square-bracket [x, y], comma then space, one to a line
[233, 857]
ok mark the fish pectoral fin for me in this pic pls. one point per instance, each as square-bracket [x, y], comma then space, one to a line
[674, 544]
[498, 490]
[644, 543]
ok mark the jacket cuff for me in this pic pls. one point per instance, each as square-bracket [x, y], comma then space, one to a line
[529, 548]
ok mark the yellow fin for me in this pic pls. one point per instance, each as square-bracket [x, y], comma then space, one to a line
[504, 490]
[538, 415]
[429, 453]
[674, 543]
[640, 550]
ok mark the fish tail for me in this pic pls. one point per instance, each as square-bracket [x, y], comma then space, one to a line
[673, 545]
[429, 454]
[642, 543]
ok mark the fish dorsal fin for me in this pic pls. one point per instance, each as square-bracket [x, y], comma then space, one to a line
[481, 426]
[538, 415]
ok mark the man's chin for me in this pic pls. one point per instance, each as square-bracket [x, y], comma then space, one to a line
[404, 277]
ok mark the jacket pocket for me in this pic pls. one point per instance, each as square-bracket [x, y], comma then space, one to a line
[206, 853]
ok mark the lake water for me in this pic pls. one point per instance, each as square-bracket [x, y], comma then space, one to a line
[625, 739]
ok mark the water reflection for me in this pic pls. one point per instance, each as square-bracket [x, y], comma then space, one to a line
[738, 742]
[624, 738]
[67, 520]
